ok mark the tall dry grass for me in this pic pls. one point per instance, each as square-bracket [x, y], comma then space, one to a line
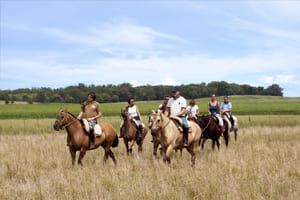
[263, 164]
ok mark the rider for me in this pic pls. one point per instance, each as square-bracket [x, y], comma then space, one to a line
[91, 109]
[193, 109]
[134, 113]
[215, 110]
[227, 108]
[162, 107]
[176, 107]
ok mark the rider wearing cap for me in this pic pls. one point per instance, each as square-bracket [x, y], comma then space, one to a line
[176, 107]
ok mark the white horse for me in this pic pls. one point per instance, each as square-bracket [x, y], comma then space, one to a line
[171, 138]
[232, 127]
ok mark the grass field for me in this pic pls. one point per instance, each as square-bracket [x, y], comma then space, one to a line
[242, 105]
[263, 164]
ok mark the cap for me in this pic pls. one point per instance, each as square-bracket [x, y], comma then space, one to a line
[175, 89]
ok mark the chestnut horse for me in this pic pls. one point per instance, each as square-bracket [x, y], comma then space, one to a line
[78, 139]
[171, 138]
[210, 130]
[129, 132]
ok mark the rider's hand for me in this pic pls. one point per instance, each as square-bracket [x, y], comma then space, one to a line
[209, 113]
[89, 119]
[172, 116]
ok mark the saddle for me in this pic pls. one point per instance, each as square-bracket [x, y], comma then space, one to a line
[97, 128]
[178, 123]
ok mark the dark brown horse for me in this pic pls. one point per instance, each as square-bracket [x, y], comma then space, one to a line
[78, 139]
[129, 132]
[210, 130]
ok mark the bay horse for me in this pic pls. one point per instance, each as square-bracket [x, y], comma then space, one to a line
[129, 132]
[210, 130]
[171, 138]
[78, 139]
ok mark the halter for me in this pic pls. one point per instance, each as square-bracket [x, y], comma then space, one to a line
[68, 124]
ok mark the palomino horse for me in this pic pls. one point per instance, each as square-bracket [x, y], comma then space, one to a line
[156, 136]
[210, 130]
[78, 139]
[171, 138]
[129, 132]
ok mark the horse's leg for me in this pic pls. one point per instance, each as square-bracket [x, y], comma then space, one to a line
[213, 144]
[235, 134]
[73, 155]
[126, 145]
[81, 155]
[155, 146]
[167, 155]
[202, 144]
[226, 138]
[105, 156]
[112, 155]
[192, 150]
[218, 144]
[131, 145]
[161, 151]
[140, 144]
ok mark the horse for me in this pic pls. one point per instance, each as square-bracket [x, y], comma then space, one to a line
[234, 125]
[210, 130]
[156, 136]
[78, 139]
[129, 132]
[171, 138]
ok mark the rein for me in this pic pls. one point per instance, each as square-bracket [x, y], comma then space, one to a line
[68, 124]
[206, 125]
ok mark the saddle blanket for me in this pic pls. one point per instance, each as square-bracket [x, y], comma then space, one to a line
[97, 128]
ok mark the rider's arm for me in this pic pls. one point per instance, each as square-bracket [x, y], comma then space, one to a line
[80, 115]
[197, 111]
[182, 112]
[208, 109]
[138, 112]
[220, 109]
[167, 111]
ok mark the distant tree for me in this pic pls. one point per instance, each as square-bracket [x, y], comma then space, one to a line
[274, 90]
[115, 98]
[40, 97]
[7, 101]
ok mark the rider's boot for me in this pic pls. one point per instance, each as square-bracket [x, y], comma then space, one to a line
[92, 139]
[185, 137]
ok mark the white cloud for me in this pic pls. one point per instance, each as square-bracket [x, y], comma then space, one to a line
[279, 79]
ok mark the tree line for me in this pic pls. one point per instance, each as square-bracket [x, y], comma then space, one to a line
[121, 92]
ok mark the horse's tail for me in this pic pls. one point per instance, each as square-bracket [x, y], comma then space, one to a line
[116, 141]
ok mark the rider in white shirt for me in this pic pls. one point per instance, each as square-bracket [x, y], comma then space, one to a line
[193, 109]
[134, 113]
[177, 108]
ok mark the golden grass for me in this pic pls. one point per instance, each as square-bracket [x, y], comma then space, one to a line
[263, 164]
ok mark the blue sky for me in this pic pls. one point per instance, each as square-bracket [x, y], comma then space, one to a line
[57, 44]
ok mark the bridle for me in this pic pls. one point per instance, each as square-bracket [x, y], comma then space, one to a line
[206, 125]
[66, 125]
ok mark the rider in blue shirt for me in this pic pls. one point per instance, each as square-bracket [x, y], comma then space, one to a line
[227, 107]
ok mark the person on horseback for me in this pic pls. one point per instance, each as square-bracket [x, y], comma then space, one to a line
[215, 110]
[227, 108]
[134, 113]
[176, 107]
[193, 109]
[163, 107]
[91, 109]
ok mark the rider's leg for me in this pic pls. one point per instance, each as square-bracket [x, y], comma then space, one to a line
[185, 132]
[220, 124]
[92, 134]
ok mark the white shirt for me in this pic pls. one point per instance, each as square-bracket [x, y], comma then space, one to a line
[193, 110]
[132, 111]
[176, 105]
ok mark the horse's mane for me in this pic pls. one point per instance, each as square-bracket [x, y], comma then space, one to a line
[81, 122]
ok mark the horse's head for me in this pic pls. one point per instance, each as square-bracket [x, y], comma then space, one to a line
[151, 115]
[202, 120]
[124, 112]
[157, 123]
[61, 120]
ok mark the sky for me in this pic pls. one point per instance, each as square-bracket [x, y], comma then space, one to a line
[61, 43]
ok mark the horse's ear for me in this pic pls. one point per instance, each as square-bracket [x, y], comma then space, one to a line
[59, 111]
[66, 110]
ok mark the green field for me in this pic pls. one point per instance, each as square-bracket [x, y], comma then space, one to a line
[242, 105]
